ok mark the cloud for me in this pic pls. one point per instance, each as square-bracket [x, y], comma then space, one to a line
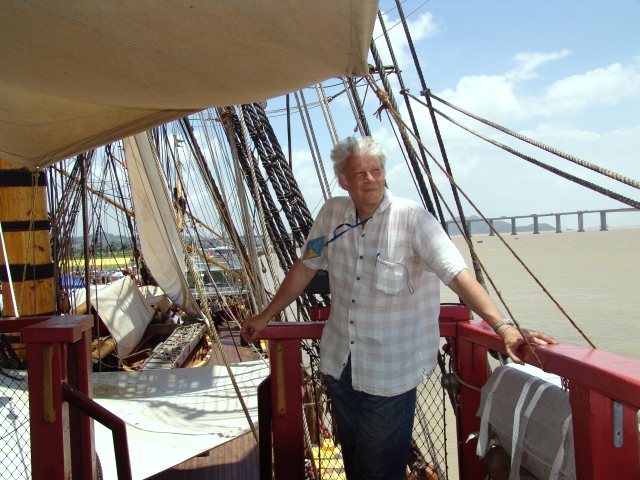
[528, 62]
[501, 98]
[490, 95]
[603, 86]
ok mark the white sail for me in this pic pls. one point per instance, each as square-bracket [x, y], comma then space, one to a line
[74, 76]
[123, 309]
[159, 236]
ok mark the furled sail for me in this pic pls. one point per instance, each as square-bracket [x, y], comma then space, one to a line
[159, 237]
[102, 72]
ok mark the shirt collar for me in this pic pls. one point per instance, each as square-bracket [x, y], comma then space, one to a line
[350, 212]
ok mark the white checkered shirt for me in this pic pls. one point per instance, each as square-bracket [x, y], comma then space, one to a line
[385, 292]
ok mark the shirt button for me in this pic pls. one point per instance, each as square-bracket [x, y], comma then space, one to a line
[362, 234]
[357, 278]
[360, 257]
[352, 342]
[353, 300]
[351, 322]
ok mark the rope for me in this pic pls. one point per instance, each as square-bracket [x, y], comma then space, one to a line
[596, 168]
[356, 106]
[328, 118]
[313, 146]
[557, 171]
[275, 227]
[388, 95]
[249, 234]
[412, 117]
[282, 180]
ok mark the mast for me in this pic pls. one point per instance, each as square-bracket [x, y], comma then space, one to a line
[26, 233]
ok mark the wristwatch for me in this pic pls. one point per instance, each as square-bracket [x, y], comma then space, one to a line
[502, 323]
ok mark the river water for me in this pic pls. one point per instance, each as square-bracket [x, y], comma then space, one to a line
[593, 275]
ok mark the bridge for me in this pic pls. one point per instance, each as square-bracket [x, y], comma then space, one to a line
[558, 216]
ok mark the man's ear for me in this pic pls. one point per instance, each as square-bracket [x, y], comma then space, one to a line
[342, 180]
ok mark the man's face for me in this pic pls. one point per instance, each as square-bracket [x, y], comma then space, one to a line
[364, 180]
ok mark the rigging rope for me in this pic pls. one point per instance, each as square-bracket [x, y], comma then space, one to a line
[356, 106]
[282, 180]
[249, 232]
[596, 168]
[424, 195]
[414, 124]
[328, 118]
[585, 183]
[313, 144]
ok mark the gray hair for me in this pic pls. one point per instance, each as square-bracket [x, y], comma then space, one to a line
[358, 147]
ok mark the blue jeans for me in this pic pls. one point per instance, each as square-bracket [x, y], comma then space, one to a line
[374, 432]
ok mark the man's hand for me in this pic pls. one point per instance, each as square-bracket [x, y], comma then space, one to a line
[513, 340]
[252, 326]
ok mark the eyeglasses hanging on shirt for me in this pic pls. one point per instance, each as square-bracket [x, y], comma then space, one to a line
[349, 226]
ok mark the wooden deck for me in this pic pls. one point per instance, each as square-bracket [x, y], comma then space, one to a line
[236, 459]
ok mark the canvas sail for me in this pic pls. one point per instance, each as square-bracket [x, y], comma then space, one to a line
[159, 237]
[74, 77]
[123, 309]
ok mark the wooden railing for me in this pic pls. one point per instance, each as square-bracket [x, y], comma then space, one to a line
[604, 394]
[60, 404]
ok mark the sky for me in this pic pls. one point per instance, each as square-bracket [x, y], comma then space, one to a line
[564, 72]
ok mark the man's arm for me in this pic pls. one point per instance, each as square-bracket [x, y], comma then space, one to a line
[478, 300]
[294, 283]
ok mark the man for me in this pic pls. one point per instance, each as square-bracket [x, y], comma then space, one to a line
[386, 257]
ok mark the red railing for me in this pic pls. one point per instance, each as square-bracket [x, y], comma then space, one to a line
[60, 405]
[606, 444]
[604, 393]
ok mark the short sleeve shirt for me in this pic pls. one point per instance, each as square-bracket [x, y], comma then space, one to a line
[385, 291]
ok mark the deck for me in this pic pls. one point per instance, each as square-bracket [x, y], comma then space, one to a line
[236, 459]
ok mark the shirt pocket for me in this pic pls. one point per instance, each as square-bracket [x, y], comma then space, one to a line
[390, 276]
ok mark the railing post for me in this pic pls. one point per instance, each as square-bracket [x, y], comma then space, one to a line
[286, 417]
[513, 226]
[81, 426]
[558, 224]
[50, 351]
[286, 394]
[472, 366]
[264, 429]
[605, 436]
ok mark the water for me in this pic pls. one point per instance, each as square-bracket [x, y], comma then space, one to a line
[593, 275]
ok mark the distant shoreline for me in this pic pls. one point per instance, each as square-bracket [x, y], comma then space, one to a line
[543, 229]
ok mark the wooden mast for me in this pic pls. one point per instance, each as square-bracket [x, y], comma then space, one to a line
[26, 232]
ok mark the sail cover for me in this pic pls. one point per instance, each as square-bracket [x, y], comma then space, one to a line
[76, 75]
[123, 310]
[159, 238]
